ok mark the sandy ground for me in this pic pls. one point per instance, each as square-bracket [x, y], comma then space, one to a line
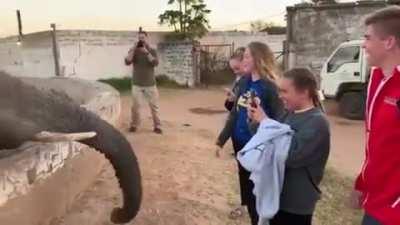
[347, 142]
[183, 181]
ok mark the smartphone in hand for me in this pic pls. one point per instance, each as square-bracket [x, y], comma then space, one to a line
[253, 96]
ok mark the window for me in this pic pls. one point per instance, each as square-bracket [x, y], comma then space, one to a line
[343, 56]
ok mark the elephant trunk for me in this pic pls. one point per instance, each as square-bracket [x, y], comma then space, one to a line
[26, 111]
[110, 142]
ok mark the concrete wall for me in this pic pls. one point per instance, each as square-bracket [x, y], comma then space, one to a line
[40, 181]
[242, 38]
[100, 55]
[97, 55]
[94, 55]
[33, 58]
[315, 31]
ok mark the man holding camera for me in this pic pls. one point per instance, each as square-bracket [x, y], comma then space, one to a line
[143, 58]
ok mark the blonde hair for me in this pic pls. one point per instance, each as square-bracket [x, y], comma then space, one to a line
[264, 61]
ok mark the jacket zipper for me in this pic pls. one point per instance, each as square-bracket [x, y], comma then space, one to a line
[396, 203]
[370, 112]
[366, 199]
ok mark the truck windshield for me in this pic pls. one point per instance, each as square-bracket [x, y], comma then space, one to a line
[342, 56]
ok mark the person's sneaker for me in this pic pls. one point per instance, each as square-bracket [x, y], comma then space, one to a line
[158, 131]
[132, 129]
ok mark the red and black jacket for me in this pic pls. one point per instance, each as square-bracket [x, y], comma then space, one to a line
[379, 180]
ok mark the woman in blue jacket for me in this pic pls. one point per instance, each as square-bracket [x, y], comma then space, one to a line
[259, 63]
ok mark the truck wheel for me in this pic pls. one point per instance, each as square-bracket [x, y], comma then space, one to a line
[352, 105]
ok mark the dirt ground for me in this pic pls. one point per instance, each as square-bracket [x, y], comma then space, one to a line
[183, 182]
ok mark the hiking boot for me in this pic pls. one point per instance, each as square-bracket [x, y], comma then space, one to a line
[158, 131]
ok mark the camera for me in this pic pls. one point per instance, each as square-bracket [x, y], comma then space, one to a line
[140, 44]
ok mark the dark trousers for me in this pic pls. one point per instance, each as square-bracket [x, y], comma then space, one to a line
[368, 220]
[285, 218]
[246, 187]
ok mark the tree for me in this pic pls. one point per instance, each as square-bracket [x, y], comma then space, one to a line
[269, 27]
[259, 25]
[189, 21]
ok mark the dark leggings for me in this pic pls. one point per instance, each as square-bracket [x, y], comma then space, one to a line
[246, 187]
[369, 220]
[285, 218]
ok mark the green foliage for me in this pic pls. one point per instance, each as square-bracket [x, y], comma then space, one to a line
[189, 21]
[322, 2]
[121, 84]
[164, 81]
[125, 84]
[270, 27]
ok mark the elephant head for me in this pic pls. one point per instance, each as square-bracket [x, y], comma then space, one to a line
[25, 112]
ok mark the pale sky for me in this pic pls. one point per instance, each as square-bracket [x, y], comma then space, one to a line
[130, 14]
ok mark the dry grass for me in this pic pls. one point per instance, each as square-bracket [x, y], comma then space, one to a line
[333, 209]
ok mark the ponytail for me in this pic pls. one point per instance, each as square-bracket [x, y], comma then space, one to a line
[317, 100]
[304, 79]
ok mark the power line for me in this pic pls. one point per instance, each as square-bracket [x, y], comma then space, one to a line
[250, 21]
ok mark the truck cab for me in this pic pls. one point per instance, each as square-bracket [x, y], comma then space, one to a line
[344, 77]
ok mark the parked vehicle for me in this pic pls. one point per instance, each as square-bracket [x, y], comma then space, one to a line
[344, 77]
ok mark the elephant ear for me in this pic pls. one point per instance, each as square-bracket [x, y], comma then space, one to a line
[14, 131]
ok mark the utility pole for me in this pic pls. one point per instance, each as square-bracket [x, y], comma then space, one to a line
[19, 28]
[55, 50]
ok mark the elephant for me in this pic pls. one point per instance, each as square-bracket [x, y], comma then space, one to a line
[30, 114]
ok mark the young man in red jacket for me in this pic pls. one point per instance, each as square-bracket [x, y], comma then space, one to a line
[377, 189]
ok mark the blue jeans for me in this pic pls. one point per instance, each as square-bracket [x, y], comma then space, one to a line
[368, 220]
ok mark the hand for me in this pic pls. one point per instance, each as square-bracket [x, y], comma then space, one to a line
[131, 52]
[218, 151]
[355, 199]
[256, 113]
[230, 95]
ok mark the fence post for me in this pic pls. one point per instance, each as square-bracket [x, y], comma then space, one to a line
[285, 55]
[19, 27]
[55, 50]
[196, 63]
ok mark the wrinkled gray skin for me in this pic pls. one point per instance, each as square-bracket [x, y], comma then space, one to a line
[26, 111]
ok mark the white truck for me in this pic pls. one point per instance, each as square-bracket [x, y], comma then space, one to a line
[344, 77]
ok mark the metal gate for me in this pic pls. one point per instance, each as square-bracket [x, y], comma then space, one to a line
[214, 63]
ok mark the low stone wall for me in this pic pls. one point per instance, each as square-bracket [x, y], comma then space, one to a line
[178, 62]
[39, 181]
